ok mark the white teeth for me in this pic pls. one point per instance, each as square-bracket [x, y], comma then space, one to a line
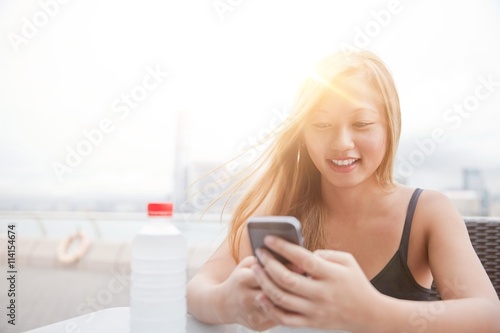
[344, 162]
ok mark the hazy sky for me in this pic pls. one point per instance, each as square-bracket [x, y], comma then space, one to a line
[108, 78]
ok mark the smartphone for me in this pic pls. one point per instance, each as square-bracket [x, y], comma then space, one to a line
[286, 227]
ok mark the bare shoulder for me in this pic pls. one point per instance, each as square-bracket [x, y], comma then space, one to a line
[437, 210]
[436, 203]
[431, 205]
[436, 216]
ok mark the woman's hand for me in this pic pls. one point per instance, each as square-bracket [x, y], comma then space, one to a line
[335, 295]
[238, 293]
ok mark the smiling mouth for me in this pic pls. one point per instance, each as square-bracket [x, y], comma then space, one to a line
[346, 162]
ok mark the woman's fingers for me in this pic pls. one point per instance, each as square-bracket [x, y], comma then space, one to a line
[246, 277]
[282, 276]
[242, 291]
[247, 262]
[279, 315]
[304, 259]
[338, 257]
[255, 316]
[341, 260]
[292, 301]
[324, 299]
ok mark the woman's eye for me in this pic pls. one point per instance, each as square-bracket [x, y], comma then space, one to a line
[321, 125]
[361, 124]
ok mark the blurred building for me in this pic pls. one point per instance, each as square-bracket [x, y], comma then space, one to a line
[182, 156]
[473, 198]
[473, 181]
[197, 184]
[467, 202]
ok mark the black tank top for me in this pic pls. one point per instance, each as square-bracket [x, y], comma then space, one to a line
[395, 279]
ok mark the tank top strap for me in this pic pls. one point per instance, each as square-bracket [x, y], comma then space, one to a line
[405, 238]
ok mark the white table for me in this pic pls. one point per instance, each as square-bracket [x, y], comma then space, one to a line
[116, 320]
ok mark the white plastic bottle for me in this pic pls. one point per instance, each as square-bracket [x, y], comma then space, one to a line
[158, 277]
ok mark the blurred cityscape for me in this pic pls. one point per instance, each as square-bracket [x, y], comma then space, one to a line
[197, 185]
[196, 191]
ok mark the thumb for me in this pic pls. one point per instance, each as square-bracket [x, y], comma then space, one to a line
[248, 262]
[247, 276]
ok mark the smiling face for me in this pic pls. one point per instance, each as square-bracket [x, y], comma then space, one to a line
[346, 133]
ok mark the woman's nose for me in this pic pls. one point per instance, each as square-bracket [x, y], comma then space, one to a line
[341, 139]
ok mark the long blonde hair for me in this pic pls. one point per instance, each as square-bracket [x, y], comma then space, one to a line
[284, 180]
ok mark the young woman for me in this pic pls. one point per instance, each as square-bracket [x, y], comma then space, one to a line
[372, 246]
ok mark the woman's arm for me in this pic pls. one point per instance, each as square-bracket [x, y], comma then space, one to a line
[459, 315]
[455, 266]
[223, 292]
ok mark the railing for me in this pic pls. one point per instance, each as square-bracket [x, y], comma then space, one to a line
[105, 225]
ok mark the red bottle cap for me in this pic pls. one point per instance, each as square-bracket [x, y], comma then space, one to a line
[160, 209]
